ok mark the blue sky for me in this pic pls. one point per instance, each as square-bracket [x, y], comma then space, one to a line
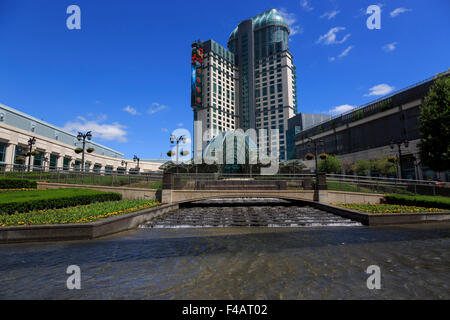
[125, 74]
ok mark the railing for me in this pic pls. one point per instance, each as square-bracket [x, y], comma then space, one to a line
[305, 181]
[292, 181]
[101, 177]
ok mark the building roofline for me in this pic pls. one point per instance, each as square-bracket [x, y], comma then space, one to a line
[445, 73]
[22, 114]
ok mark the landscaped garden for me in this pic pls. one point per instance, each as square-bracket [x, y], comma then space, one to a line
[396, 203]
[22, 204]
[388, 208]
[77, 214]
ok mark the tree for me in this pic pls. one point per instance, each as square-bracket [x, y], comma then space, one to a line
[348, 167]
[434, 126]
[330, 164]
[362, 167]
[386, 166]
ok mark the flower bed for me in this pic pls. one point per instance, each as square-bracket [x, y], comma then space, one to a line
[387, 208]
[15, 202]
[78, 214]
[420, 201]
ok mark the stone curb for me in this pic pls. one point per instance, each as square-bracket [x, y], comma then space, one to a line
[82, 231]
[376, 219]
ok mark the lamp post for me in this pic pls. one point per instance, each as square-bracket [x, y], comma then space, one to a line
[177, 140]
[82, 137]
[399, 144]
[45, 163]
[124, 163]
[136, 159]
[315, 142]
[31, 142]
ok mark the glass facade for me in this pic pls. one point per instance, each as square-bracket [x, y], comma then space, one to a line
[38, 161]
[3, 151]
[66, 163]
[53, 162]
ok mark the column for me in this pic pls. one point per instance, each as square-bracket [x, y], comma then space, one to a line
[9, 157]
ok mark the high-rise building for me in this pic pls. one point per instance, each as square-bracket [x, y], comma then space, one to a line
[213, 97]
[250, 86]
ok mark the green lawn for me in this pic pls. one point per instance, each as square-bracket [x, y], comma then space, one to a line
[353, 187]
[78, 214]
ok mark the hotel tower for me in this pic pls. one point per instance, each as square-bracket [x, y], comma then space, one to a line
[252, 84]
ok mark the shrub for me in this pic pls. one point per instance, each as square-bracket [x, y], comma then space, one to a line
[362, 167]
[80, 214]
[13, 202]
[419, 201]
[330, 164]
[11, 183]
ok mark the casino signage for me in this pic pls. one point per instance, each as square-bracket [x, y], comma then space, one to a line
[196, 75]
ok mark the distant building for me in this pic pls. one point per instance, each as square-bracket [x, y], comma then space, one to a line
[252, 85]
[298, 123]
[55, 147]
[367, 132]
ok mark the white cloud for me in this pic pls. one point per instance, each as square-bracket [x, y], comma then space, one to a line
[164, 130]
[130, 110]
[180, 124]
[156, 107]
[330, 36]
[329, 14]
[291, 19]
[340, 109]
[397, 11]
[390, 47]
[380, 90]
[305, 5]
[345, 52]
[114, 131]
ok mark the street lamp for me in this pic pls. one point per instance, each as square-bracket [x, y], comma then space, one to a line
[177, 140]
[399, 144]
[136, 159]
[124, 163]
[82, 137]
[31, 142]
[315, 142]
[45, 163]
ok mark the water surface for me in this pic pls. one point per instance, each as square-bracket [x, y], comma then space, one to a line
[326, 262]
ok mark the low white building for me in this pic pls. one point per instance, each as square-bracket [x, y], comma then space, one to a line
[54, 148]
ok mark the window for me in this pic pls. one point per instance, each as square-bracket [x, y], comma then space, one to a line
[2, 151]
[66, 163]
[53, 162]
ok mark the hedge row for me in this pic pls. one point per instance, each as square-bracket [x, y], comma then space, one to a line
[419, 201]
[12, 183]
[11, 203]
